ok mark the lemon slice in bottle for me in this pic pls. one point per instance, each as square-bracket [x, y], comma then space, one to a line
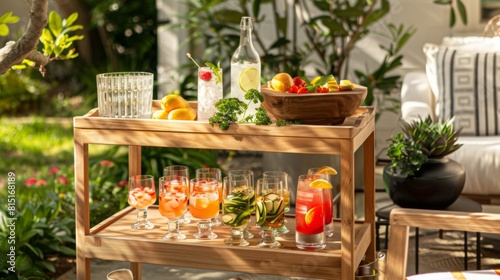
[321, 184]
[249, 79]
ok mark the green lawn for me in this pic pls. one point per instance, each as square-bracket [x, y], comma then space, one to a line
[29, 145]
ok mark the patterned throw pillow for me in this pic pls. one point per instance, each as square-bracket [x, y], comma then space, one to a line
[464, 73]
[469, 90]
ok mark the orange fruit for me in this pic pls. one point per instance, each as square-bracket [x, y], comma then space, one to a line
[187, 114]
[160, 114]
[326, 170]
[282, 82]
[173, 101]
[321, 184]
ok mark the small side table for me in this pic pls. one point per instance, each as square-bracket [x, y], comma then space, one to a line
[462, 205]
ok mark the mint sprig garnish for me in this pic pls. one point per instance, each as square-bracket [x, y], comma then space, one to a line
[215, 70]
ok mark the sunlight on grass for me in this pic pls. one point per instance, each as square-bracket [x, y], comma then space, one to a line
[31, 144]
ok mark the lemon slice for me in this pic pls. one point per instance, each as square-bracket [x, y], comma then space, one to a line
[321, 184]
[332, 85]
[326, 170]
[346, 85]
[313, 81]
[249, 79]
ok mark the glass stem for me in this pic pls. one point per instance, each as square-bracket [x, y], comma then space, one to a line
[268, 236]
[236, 234]
[204, 227]
[173, 226]
[142, 216]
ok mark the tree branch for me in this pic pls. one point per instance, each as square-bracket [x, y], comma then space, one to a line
[14, 53]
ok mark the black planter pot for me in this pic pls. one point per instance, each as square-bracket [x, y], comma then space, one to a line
[437, 185]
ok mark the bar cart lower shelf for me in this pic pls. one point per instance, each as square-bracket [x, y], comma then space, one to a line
[114, 239]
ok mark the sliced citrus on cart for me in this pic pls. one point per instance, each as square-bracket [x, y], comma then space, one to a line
[314, 217]
[321, 184]
[249, 79]
[326, 170]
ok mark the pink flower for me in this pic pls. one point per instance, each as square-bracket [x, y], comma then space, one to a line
[63, 180]
[54, 170]
[107, 163]
[30, 182]
[41, 182]
[122, 184]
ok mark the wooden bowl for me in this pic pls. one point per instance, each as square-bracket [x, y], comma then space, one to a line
[313, 108]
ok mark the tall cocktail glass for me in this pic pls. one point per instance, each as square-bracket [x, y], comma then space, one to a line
[204, 205]
[244, 173]
[269, 210]
[309, 216]
[141, 195]
[179, 171]
[280, 176]
[174, 192]
[237, 207]
[208, 173]
[327, 199]
[209, 92]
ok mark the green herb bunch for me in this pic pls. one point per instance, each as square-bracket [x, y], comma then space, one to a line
[228, 110]
[420, 140]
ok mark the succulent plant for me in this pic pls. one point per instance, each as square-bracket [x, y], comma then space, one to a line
[420, 140]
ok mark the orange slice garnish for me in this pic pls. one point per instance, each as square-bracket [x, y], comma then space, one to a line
[321, 184]
[309, 218]
[326, 170]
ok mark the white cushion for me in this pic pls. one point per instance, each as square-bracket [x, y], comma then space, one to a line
[480, 157]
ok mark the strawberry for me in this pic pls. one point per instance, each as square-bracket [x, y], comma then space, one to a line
[302, 90]
[293, 89]
[206, 76]
[298, 81]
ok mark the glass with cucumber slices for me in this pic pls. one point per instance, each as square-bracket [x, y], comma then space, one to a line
[282, 177]
[269, 211]
[238, 204]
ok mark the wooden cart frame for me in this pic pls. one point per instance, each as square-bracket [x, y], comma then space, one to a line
[113, 239]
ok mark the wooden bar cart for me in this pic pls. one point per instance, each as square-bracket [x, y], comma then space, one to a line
[113, 239]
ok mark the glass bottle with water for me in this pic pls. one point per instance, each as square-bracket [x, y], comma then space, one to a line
[245, 66]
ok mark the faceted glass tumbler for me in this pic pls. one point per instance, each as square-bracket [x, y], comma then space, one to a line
[125, 94]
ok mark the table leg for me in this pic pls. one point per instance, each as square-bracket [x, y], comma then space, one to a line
[416, 249]
[478, 250]
[377, 229]
[466, 252]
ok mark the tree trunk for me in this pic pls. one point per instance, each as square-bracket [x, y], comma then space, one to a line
[14, 52]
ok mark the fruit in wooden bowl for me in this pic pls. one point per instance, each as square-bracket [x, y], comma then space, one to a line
[313, 108]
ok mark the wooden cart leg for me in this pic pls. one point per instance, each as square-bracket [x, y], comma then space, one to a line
[134, 168]
[369, 172]
[347, 210]
[134, 160]
[82, 209]
[136, 269]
